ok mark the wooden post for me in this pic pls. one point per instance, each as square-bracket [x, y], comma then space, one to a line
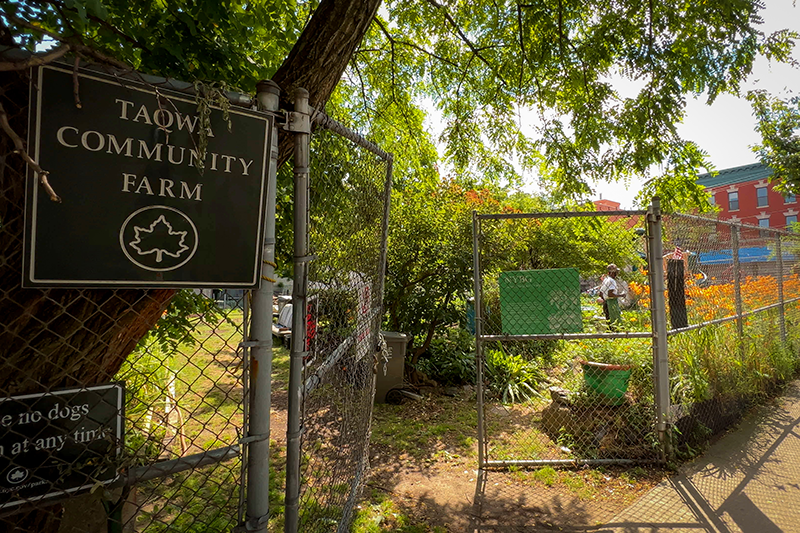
[676, 292]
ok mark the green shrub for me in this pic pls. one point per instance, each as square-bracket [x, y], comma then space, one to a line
[512, 377]
[451, 358]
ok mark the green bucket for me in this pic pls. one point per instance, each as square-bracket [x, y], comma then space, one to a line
[609, 381]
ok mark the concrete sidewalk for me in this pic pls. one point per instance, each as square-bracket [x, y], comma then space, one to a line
[748, 482]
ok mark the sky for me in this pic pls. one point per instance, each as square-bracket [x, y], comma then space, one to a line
[726, 129]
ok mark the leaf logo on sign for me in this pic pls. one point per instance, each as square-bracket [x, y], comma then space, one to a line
[17, 475]
[160, 239]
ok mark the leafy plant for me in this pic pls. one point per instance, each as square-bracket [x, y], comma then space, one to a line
[513, 378]
[451, 359]
[631, 352]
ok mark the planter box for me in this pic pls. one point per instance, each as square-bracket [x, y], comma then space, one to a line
[608, 381]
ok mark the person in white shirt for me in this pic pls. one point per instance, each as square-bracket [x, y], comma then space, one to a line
[609, 292]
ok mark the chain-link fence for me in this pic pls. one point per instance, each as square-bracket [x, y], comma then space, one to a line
[732, 303]
[349, 184]
[184, 414]
[565, 339]
[577, 368]
[130, 409]
[94, 439]
[121, 409]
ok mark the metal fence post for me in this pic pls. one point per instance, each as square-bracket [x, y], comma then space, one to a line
[261, 347]
[659, 324]
[478, 347]
[300, 124]
[782, 307]
[737, 285]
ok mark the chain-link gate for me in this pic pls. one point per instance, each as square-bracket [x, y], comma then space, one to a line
[732, 302]
[701, 322]
[564, 337]
[340, 255]
[173, 436]
[110, 424]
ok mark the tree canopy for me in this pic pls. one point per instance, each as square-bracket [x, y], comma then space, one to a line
[536, 84]
[779, 126]
[530, 86]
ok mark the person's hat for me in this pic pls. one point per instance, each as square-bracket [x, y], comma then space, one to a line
[612, 268]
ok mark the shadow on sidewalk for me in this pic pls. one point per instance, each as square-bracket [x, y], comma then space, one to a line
[747, 482]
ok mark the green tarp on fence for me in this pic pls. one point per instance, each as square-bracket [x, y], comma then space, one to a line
[541, 301]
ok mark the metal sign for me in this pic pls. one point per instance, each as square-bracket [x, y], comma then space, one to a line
[143, 205]
[536, 302]
[58, 443]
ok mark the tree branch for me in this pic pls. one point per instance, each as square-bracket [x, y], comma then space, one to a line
[60, 6]
[466, 40]
[414, 46]
[74, 44]
[36, 59]
[20, 149]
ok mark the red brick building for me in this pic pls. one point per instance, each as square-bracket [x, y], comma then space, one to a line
[745, 194]
[610, 205]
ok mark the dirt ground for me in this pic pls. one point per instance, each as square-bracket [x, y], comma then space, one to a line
[436, 480]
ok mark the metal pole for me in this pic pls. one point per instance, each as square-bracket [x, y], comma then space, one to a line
[782, 310]
[387, 206]
[300, 124]
[246, 297]
[659, 324]
[737, 285]
[476, 268]
[261, 344]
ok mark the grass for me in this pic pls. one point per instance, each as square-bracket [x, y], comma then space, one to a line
[382, 514]
[421, 429]
[191, 502]
[208, 391]
[623, 484]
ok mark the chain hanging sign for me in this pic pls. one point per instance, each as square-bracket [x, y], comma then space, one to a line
[58, 443]
[146, 200]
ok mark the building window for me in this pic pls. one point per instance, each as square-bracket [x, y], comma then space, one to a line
[761, 195]
[763, 223]
[712, 199]
[790, 219]
[790, 199]
[733, 201]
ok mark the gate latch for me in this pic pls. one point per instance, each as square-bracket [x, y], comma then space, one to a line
[297, 122]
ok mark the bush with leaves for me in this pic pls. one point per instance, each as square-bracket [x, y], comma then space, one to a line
[511, 377]
[451, 358]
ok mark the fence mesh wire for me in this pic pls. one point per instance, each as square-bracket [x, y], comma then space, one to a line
[732, 294]
[348, 199]
[547, 397]
[92, 438]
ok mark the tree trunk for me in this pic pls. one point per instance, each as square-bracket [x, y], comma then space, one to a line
[321, 54]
